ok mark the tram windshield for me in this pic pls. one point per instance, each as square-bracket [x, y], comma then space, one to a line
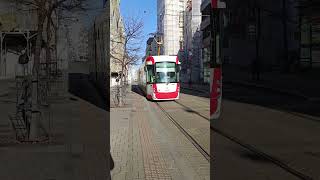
[166, 72]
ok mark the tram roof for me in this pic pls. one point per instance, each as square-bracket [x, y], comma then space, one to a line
[163, 58]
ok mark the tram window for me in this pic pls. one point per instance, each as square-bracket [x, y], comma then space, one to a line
[161, 77]
[150, 74]
[172, 76]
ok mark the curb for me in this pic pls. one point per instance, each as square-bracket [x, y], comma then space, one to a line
[291, 93]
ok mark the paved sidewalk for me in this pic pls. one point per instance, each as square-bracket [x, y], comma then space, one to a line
[77, 148]
[305, 85]
[6, 85]
[145, 145]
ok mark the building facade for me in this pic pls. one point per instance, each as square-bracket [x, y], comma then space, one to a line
[170, 25]
[83, 45]
[256, 29]
[192, 66]
[18, 28]
[310, 33]
[116, 37]
[205, 28]
[152, 47]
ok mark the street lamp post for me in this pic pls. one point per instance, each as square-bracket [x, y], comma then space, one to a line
[159, 42]
[190, 66]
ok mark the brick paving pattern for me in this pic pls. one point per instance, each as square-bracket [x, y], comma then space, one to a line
[185, 113]
[154, 164]
[146, 145]
[180, 152]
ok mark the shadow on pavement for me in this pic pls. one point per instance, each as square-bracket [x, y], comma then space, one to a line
[271, 100]
[136, 89]
[82, 87]
[194, 92]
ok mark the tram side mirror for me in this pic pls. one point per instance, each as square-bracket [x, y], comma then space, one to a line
[145, 68]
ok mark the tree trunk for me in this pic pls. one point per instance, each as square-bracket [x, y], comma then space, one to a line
[121, 87]
[41, 18]
[35, 124]
[126, 74]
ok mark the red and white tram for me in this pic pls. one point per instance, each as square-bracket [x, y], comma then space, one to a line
[216, 58]
[159, 77]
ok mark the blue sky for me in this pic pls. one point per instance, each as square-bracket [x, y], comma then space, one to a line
[144, 9]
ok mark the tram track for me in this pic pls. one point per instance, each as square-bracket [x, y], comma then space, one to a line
[263, 155]
[249, 147]
[204, 153]
[233, 139]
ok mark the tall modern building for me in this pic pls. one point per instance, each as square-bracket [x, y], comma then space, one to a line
[170, 25]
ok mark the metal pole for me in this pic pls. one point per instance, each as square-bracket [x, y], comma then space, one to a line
[56, 41]
[221, 37]
[258, 36]
[5, 59]
[300, 31]
[310, 47]
[285, 38]
[190, 68]
[213, 34]
[0, 53]
[28, 50]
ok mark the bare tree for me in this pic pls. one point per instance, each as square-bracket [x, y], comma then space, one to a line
[45, 10]
[125, 49]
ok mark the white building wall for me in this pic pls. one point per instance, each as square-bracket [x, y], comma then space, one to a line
[170, 24]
